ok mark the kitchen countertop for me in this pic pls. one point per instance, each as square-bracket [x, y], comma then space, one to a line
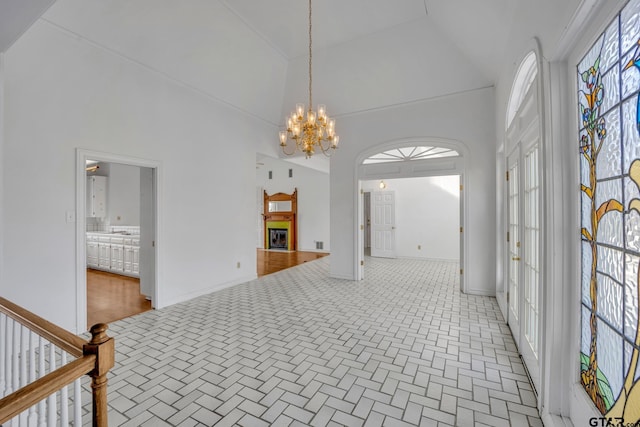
[114, 234]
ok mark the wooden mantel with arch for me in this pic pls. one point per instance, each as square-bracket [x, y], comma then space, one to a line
[280, 221]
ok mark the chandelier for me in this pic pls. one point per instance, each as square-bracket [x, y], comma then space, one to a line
[316, 130]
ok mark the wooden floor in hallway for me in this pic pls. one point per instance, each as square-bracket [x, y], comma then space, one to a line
[112, 297]
[270, 261]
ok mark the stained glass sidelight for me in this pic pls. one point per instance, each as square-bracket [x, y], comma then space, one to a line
[609, 147]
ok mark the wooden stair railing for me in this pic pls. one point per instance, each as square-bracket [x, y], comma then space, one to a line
[94, 358]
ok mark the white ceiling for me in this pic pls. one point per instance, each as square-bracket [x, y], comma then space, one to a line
[480, 31]
[251, 54]
[478, 28]
[284, 23]
[16, 16]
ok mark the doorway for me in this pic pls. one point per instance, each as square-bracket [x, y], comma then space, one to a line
[522, 257]
[416, 218]
[412, 158]
[523, 252]
[127, 231]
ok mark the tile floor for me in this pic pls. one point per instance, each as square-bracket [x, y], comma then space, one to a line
[403, 347]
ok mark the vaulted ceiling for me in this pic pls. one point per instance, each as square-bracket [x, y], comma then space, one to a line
[16, 16]
[478, 28]
[252, 54]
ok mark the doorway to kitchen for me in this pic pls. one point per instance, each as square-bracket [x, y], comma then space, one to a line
[117, 217]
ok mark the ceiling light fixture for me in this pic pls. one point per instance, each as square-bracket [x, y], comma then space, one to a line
[316, 130]
[91, 165]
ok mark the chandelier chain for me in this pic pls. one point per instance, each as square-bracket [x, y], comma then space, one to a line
[316, 130]
[310, 58]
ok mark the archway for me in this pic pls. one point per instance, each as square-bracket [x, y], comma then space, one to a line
[521, 296]
[411, 158]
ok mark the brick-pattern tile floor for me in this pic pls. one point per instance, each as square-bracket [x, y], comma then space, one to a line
[401, 348]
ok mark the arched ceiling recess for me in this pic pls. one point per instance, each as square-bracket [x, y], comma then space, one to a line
[525, 76]
[411, 153]
[412, 158]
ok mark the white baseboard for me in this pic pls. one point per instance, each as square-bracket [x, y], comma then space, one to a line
[204, 291]
[342, 277]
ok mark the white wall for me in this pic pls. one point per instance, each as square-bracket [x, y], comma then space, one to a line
[313, 199]
[63, 93]
[427, 215]
[204, 46]
[466, 118]
[123, 195]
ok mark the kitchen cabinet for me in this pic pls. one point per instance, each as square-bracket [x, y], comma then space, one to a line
[116, 254]
[92, 251]
[97, 196]
[104, 253]
[132, 256]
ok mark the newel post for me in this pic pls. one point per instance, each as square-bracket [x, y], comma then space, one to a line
[104, 349]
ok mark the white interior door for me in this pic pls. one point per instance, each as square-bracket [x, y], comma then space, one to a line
[530, 264]
[383, 224]
[523, 248]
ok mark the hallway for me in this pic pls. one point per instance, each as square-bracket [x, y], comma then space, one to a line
[402, 347]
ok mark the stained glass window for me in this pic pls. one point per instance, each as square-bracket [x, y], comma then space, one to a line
[609, 145]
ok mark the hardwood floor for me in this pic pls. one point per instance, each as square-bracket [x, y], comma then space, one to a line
[112, 297]
[272, 261]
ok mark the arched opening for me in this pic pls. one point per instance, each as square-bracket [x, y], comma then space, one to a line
[411, 153]
[525, 76]
[519, 294]
[437, 162]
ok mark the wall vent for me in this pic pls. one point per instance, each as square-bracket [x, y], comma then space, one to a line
[290, 173]
[319, 245]
[270, 174]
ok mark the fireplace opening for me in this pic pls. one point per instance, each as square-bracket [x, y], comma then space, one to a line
[278, 238]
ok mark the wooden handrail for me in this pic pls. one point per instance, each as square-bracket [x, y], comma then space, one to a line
[32, 393]
[54, 334]
[95, 358]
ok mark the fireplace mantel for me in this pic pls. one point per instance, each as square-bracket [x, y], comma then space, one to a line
[279, 219]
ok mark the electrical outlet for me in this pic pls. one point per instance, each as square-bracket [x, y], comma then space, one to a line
[238, 264]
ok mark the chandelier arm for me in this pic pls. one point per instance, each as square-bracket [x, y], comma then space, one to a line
[295, 148]
[328, 152]
[329, 149]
